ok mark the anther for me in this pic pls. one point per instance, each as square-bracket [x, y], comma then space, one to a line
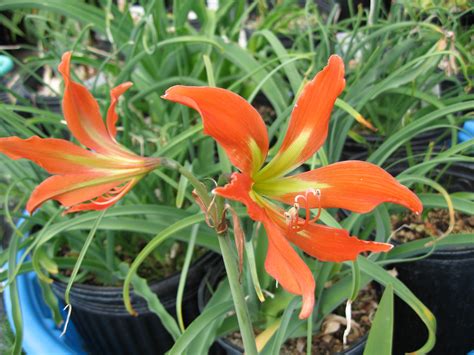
[291, 216]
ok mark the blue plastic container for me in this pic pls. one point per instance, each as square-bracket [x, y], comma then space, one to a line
[467, 131]
[40, 334]
[6, 65]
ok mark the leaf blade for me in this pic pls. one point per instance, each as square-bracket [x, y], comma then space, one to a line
[381, 333]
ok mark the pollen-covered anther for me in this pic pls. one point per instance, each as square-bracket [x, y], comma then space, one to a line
[291, 216]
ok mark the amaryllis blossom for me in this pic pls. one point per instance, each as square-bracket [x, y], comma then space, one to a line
[84, 179]
[352, 185]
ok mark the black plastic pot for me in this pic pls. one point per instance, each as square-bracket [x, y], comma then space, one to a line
[22, 95]
[48, 103]
[458, 177]
[223, 346]
[357, 151]
[106, 327]
[453, 85]
[398, 162]
[467, 19]
[444, 282]
[4, 98]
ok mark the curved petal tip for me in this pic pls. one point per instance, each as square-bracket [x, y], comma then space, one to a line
[307, 306]
[65, 65]
[416, 205]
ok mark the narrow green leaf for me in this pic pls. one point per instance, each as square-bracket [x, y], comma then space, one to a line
[248, 63]
[210, 72]
[154, 243]
[184, 274]
[381, 333]
[438, 201]
[131, 63]
[182, 186]
[141, 288]
[280, 336]
[51, 301]
[201, 344]
[417, 247]
[14, 297]
[199, 325]
[78, 10]
[253, 269]
[291, 73]
[422, 124]
[355, 279]
[46, 262]
[82, 254]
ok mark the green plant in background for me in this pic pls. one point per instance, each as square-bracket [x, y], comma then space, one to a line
[396, 65]
[393, 75]
[7, 335]
[446, 4]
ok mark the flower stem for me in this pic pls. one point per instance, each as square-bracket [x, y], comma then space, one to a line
[231, 267]
[309, 334]
[243, 317]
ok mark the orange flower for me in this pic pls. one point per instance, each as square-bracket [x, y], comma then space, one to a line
[353, 185]
[84, 179]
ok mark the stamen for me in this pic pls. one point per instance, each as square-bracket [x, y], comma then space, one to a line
[317, 194]
[117, 189]
[113, 195]
[292, 217]
[268, 293]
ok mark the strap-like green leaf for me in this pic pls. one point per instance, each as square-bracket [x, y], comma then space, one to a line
[381, 333]
[198, 325]
[141, 288]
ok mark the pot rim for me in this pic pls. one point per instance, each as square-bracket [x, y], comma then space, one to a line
[201, 261]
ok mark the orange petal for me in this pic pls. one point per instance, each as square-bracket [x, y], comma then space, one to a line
[82, 112]
[285, 265]
[332, 244]
[240, 189]
[112, 116]
[70, 190]
[230, 120]
[309, 122]
[353, 185]
[56, 156]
